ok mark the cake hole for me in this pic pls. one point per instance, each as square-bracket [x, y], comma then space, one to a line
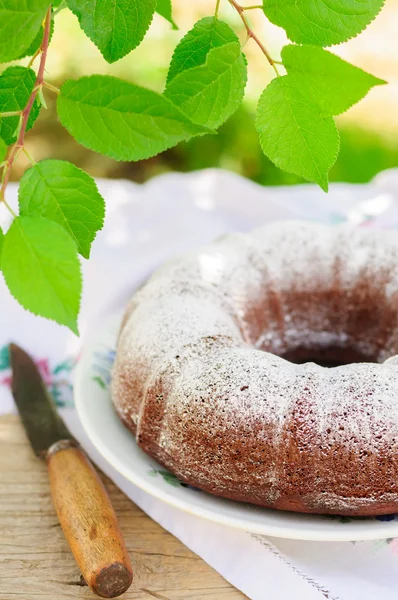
[333, 356]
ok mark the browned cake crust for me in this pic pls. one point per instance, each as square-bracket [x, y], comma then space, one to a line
[211, 377]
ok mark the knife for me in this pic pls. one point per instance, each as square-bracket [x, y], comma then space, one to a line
[83, 507]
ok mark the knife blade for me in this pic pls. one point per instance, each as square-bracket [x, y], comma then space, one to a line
[83, 507]
[40, 418]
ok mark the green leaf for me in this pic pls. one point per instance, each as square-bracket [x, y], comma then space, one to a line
[120, 119]
[292, 133]
[20, 20]
[329, 82]
[211, 93]
[165, 9]
[61, 192]
[35, 45]
[193, 49]
[16, 86]
[1, 244]
[3, 150]
[322, 22]
[42, 269]
[115, 26]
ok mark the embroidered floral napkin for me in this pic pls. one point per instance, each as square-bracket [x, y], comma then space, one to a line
[146, 225]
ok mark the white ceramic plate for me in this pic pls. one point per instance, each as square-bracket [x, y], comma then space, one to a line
[118, 447]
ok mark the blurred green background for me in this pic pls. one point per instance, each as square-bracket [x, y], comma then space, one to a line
[369, 131]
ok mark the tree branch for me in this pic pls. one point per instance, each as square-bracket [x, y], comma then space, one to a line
[240, 10]
[19, 144]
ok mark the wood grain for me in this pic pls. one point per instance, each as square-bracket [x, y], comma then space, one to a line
[36, 563]
[88, 521]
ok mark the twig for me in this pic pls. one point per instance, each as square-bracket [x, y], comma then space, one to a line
[19, 144]
[240, 9]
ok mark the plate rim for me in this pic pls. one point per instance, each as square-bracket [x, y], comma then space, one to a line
[349, 533]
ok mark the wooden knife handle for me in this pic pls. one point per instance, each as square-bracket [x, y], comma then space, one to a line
[88, 520]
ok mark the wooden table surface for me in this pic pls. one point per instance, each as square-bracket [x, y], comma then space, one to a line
[36, 564]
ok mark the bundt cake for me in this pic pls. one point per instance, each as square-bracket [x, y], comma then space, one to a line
[263, 368]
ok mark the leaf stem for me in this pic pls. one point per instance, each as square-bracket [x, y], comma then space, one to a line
[252, 7]
[28, 156]
[246, 40]
[240, 10]
[60, 7]
[11, 113]
[32, 60]
[217, 8]
[51, 87]
[8, 207]
[19, 144]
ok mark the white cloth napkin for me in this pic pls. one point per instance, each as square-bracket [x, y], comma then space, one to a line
[145, 225]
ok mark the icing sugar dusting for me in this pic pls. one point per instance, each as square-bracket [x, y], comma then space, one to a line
[200, 378]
